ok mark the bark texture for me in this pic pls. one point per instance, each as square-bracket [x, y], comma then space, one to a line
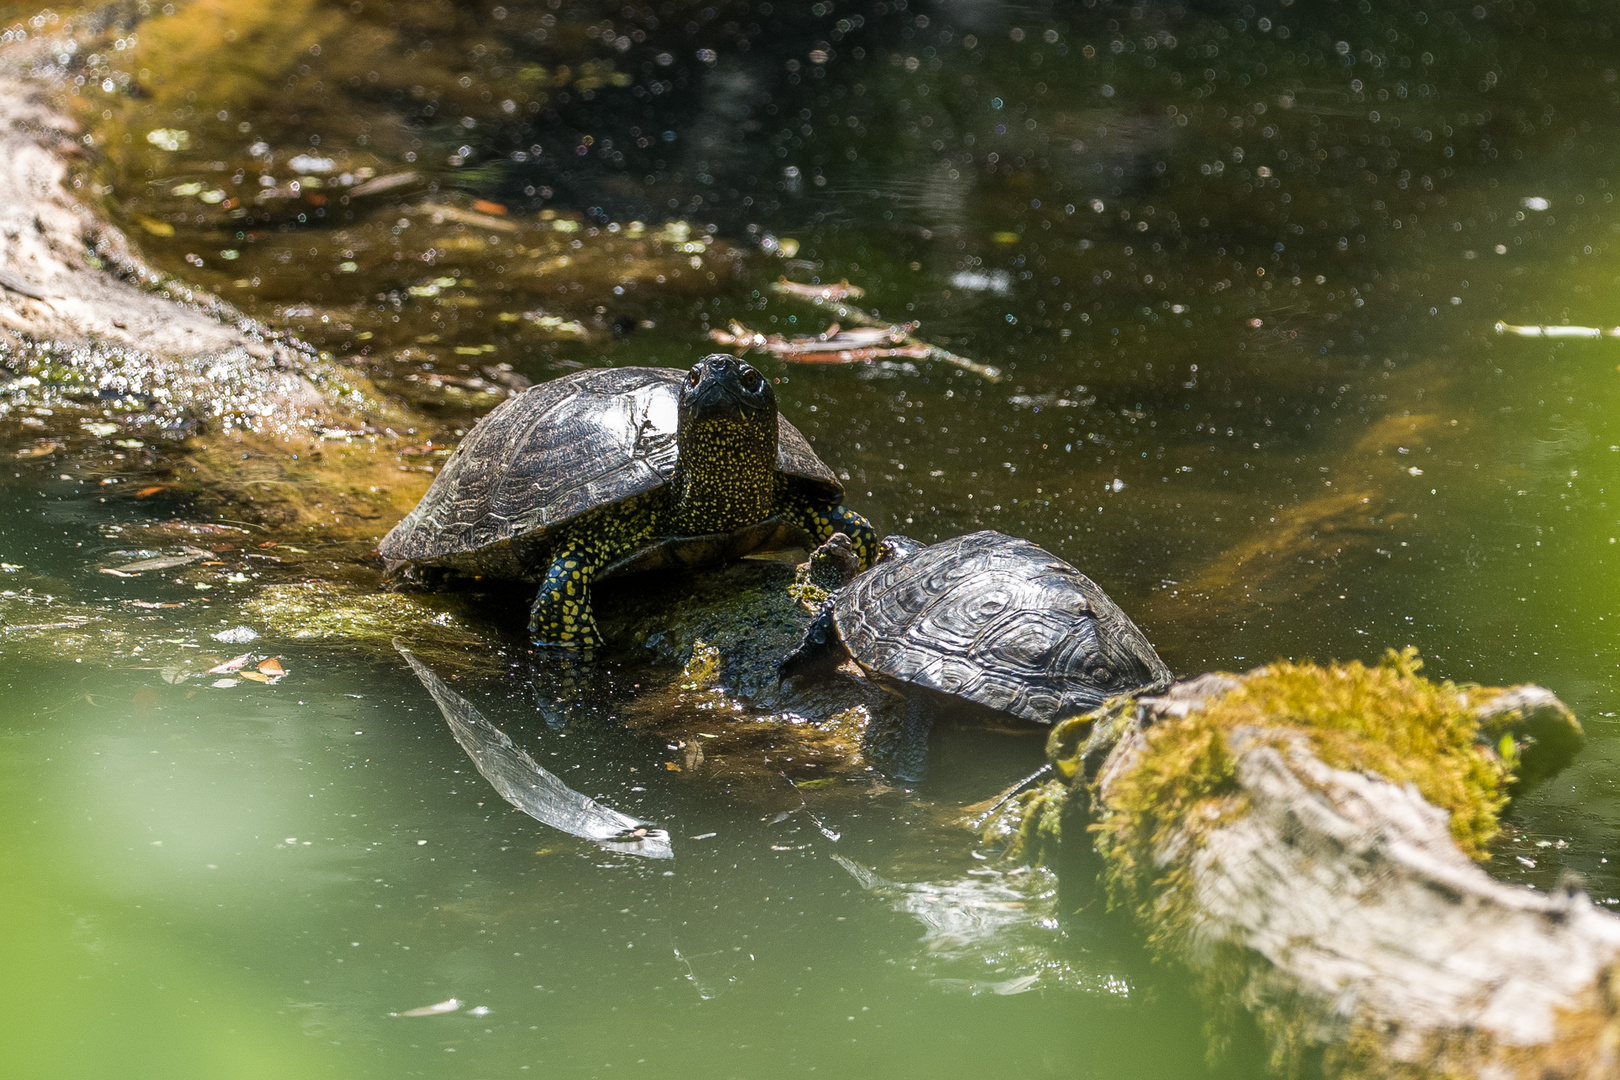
[1335, 907]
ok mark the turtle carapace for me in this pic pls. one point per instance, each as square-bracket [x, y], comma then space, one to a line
[617, 470]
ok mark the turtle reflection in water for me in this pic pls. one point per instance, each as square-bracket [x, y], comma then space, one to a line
[985, 618]
[608, 472]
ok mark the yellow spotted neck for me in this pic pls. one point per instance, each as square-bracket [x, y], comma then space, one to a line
[726, 477]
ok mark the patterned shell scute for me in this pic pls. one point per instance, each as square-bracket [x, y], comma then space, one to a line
[558, 450]
[1000, 622]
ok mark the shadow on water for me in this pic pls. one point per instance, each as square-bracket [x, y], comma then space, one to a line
[1240, 265]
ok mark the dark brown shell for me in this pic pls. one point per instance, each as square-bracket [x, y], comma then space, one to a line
[1000, 622]
[577, 444]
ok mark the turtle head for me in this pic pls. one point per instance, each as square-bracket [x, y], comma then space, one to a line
[724, 389]
[726, 433]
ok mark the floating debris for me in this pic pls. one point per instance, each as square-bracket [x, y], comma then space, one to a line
[164, 562]
[819, 293]
[439, 214]
[391, 182]
[833, 345]
[154, 226]
[831, 297]
[439, 1009]
[234, 664]
[996, 282]
[524, 784]
[1558, 331]
[237, 635]
[44, 449]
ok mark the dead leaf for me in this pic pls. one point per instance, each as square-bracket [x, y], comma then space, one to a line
[255, 676]
[236, 663]
[165, 562]
[117, 573]
[487, 207]
[272, 666]
[40, 450]
[671, 766]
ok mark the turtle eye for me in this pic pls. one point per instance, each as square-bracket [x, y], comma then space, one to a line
[694, 376]
[752, 381]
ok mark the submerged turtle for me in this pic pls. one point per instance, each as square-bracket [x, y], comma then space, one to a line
[607, 472]
[987, 618]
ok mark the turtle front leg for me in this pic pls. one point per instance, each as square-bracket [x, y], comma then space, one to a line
[821, 520]
[562, 614]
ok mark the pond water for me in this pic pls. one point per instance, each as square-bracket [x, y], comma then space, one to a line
[1240, 266]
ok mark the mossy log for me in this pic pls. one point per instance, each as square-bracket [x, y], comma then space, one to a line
[1239, 823]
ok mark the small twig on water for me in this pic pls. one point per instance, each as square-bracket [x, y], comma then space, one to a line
[1558, 331]
[831, 298]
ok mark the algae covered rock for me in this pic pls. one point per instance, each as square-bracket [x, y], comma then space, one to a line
[1305, 840]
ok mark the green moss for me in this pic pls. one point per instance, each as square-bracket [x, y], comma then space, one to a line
[326, 612]
[1384, 719]
[808, 593]
[1038, 813]
[702, 670]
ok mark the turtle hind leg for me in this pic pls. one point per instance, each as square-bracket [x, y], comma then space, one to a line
[821, 520]
[562, 615]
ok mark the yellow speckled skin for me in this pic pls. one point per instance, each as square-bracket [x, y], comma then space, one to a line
[726, 478]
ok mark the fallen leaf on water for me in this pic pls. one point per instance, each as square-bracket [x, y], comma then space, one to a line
[117, 573]
[487, 207]
[39, 451]
[256, 676]
[224, 684]
[148, 492]
[671, 766]
[166, 562]
[154, 226]
[235, 663]
[432, 1010]
[272, 666]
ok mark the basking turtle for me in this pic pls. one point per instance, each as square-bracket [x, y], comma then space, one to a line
[611, 471]
[987, 618]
